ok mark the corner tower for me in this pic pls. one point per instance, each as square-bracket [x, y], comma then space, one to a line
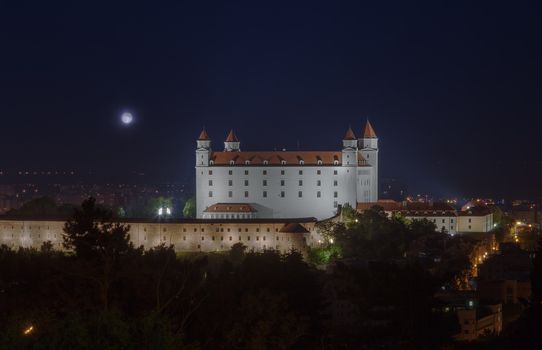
[203, 149]
[368, 144]
[232, 143]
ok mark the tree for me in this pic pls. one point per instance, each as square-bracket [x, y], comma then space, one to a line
[99, 243]
[189, 210]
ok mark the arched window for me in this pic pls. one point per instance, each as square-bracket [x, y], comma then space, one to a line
[211, 162]
[319, 162]
[265, 162]
[232, 162]
[283, 162]
[335, 162]
[301, 162]
[247, 162]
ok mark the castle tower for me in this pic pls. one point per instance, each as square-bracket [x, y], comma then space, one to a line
[350, 149]
[203, 149]
[369, 150]
[232, 143]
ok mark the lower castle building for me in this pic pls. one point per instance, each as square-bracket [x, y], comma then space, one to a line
[235, 184]
[193, 235]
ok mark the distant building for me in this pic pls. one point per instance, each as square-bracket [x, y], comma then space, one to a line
[285, 184]
[480, 321]
[443, 215]
[505, 277]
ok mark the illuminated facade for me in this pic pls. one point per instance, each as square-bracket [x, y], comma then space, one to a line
[285, 184]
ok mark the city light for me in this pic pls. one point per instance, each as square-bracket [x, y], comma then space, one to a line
[28, 330]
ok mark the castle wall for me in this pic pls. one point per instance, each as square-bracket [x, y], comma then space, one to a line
[196, 236]
[337, 186]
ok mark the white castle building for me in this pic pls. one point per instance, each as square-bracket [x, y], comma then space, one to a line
[235, 184]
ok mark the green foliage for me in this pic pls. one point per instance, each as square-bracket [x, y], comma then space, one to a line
[189, 210]
[325, 254]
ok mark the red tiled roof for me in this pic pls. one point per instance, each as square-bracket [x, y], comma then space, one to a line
[411, 208]
[369, 132]
[349, 135]
[203, 135]
[231, 137]
[278, 157]
[231, 208]
[475, 211]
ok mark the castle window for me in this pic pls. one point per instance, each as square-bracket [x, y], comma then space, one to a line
[210, 194]
[210, 182]
[246, 194]
[318, 172]
[335, 182]
[318, 194]
[230, 194]
[265, 171]
[282, 194]
[334, 172]
[230, 182]
[335, 194]
[210, 172]
[282, 182]
[265, 182]
[318, 182]
[246, 182]
[300, 172]
[230, 172]
[300, 194]
[264, 194]
[282, 172]
[246, 172]
[300, 182]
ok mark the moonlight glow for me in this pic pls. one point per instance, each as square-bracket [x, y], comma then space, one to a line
[127, 118]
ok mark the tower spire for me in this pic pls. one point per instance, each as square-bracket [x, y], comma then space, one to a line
[368, 131]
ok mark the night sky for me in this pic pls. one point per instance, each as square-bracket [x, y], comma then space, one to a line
[453, 89]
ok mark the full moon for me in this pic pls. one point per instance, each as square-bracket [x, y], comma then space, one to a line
[127, 118]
